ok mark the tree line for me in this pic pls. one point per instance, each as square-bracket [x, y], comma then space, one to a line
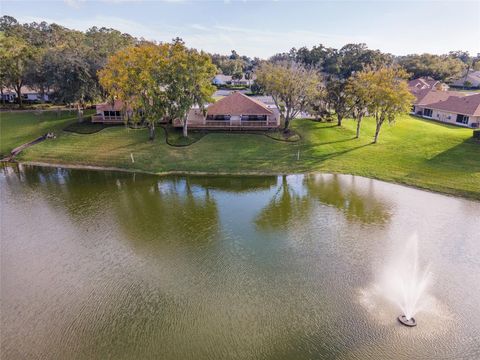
[163, 81]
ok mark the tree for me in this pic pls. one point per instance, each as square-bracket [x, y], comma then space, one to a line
[135, 76]
[188, 82]
[159, 81]
[439, 67]
[388, 94]
[358, 98]
[15, 55]
[72, 76]
[291, 86]
[337, 98]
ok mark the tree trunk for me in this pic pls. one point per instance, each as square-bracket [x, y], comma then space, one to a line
[359, 120]
[287, 123]
[79, 113]
[152, 131]
[185, 128]
[18, 90]
[339, 118]
[377, 131]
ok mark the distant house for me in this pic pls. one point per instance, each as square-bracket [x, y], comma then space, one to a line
[426, 83]
[29, 94]
[109, 113]
[472, 79]
[221, 79]
[448, 106]
[234, 112]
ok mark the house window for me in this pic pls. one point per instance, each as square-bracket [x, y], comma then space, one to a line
[254, 117]
[218, 117]
[463, 119]
[427, 112]
[111, 113]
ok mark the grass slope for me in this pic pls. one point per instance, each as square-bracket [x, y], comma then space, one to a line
[18, 127]
[413, 151]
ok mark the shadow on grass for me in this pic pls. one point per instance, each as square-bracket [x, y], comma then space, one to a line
[464, 156]
[337, 141]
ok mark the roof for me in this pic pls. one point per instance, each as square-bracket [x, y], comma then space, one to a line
[422, 83]
[221, 77]
[452, 101]
[108, 106]
[25, 89]
[238, 104]
[472, 77]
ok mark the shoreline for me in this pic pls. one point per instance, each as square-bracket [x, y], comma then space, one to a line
[467, 196]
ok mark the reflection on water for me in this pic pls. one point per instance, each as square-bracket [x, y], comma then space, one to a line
[118, 265]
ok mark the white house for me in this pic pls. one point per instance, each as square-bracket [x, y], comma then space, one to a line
[221, 79]
[471, 78]
[449, 107]
[28, 95]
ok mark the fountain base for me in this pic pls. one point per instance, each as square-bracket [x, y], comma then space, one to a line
[407, 322]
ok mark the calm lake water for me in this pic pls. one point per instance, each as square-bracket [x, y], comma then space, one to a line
[102, 265]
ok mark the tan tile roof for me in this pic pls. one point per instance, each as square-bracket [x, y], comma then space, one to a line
[238, 104]
[422, 83]
[452, 101]
[108, 106]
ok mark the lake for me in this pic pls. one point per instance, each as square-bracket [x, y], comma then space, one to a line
[98, 265]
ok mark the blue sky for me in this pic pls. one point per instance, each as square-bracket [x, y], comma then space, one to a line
[263, 28]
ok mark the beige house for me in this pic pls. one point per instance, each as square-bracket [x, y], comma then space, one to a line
[448, 107]
[234, 112]
[471, 78]
[109, 113]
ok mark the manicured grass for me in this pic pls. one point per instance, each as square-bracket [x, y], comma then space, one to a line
[85, 127]
[18, 127]
[413, 151]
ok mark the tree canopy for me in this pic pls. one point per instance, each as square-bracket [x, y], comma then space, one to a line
[291, 86]
[158, 81]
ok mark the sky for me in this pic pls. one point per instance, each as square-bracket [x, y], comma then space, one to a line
[263, 28]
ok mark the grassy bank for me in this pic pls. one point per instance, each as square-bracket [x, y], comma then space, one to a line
[18, 127]
[414, 152]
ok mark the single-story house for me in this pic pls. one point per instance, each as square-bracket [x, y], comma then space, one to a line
[234, 112]
[109, 113]
[221, 79]
[28, 95]
[472, 79]
[448, 106]
[423, 83]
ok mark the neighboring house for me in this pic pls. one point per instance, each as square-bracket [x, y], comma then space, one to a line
[426, 83]
[234, 112]
[28, 95]
[472, 78]
[221, 79]
[109, 113]
[448, 106]
[8, 95]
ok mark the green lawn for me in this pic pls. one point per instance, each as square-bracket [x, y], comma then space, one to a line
[413, 151]
[18, 127]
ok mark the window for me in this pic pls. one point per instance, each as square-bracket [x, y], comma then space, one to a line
[427, 112]
[254, 117]
[111, 113]
[463, 119]
[218, 117]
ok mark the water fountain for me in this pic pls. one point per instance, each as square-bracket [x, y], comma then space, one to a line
[404, 282]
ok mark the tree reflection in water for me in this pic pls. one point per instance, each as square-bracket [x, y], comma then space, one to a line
[297, 200]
